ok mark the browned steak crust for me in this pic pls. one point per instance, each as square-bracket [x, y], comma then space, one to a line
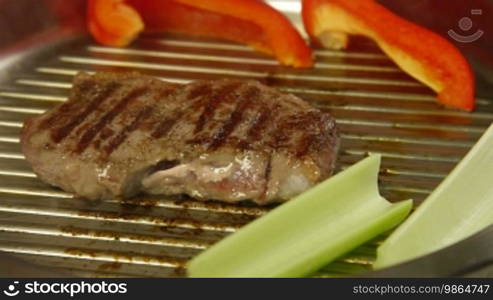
[229, 140]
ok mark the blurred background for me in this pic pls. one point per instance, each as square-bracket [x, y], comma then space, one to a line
[470, 20]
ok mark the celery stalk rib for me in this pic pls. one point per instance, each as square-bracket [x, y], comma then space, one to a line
[307, 232]
[461, 206]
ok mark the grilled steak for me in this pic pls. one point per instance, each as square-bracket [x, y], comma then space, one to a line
[229, 140]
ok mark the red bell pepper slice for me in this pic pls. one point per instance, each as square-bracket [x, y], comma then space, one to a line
[282, 39]
[250, 22]
[113, 22]
[423, 54]
[170, 16]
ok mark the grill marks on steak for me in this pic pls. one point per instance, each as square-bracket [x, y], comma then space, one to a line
[247, 98]
[95, 130]
[122, 135]
[228, 140]
[195, 94]
[68, 108]
[209, 103]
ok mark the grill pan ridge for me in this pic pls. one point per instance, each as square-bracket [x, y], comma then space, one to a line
[379, 109]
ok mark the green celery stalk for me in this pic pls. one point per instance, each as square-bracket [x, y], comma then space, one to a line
[307, 232]
[461, 206]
